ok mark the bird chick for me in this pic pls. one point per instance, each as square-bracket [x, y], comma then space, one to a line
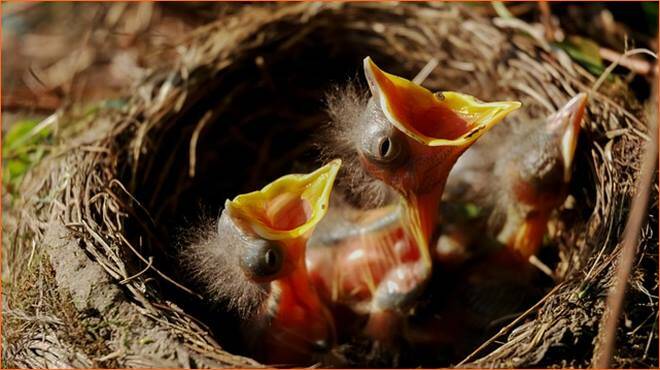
[518, 175]
[407, 138]
[254, 261]
[536, 176]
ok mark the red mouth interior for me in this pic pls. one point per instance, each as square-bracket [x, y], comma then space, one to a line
[429, 119]
[438, 122]
[286, 212]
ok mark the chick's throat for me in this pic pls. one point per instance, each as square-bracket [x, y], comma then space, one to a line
[295, 305]
[420, 212]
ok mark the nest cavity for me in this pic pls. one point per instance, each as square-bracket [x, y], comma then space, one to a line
[100, 216]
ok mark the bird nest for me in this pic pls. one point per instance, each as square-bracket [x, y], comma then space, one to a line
[95, 281]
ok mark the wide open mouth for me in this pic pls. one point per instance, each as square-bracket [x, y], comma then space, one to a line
[440, 119]
[288, 207]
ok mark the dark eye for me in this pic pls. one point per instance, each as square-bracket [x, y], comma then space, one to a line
[379, 141]
[262, 259]
[387, 149]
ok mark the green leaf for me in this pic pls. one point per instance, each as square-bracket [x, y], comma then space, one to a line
[16, 167]
[584, 51]
[17, 134]
[23, 145]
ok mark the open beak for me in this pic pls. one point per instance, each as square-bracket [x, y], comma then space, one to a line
[289, 207]
[440, 119]
[566, 124]
[286, 211]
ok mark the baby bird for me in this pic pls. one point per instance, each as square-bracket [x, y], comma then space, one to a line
[518, 175]
[254, 261]
[536, 176]
[407, 138]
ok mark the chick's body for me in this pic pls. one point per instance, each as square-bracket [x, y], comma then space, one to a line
[517, 177]
[406, 139]
[380, 280]
[254, 262]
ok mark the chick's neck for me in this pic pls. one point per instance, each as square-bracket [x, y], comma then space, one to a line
[523, 234]
[420, 213]
[298, 304]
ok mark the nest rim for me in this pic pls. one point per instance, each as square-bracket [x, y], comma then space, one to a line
[135, 135]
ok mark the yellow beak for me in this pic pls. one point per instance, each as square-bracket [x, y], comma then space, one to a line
[289, 207]
[441, 119]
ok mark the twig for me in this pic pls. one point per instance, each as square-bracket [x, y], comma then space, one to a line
[534, 261]
[515, 9]
[193, 141]
[592, 91]
[501, 10]
[546, 20]
[426, 71]
[621, 58]
[637, 65]
[44, 103]
[132, 197]
[172, 281]
[638, 211]
[112, 355]
[648, 343]
[508, 327]
[128, 279]
[518, 24]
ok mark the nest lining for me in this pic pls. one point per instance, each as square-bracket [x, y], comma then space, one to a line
[238, 109]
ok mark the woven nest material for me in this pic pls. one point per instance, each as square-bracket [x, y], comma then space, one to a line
[97, 224]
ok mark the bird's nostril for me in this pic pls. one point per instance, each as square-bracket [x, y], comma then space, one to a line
[321, 345]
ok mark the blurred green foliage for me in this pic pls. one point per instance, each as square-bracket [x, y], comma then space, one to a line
[584, 51]
[24, 144]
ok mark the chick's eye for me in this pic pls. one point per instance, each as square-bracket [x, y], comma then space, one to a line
[262, 260]
[271, 259]
[387, 149]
